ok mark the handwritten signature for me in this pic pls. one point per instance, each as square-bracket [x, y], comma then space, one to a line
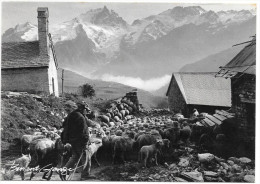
[63, 171]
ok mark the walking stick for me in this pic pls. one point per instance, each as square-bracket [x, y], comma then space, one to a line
[71, 175]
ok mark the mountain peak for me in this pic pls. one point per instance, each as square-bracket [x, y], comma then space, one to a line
[21, 27]
[179, 12]
[103, 16]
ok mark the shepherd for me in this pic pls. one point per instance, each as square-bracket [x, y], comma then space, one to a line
[76, 133]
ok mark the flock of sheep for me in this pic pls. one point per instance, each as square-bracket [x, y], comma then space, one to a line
[119, 134]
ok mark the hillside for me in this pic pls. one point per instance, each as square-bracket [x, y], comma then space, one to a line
[109, 90]
[20, 112]
[162, 91]
[212, 62]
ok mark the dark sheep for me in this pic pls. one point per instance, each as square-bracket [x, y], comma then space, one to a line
[121, 145]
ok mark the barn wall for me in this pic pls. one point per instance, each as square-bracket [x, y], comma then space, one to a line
[243, 99]
[175, 99]
[52, 74]
[27, 79]
[243, 104]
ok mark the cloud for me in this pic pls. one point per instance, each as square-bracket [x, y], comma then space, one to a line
[148, 85]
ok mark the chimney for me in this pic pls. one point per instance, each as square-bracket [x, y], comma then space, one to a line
[43, 30]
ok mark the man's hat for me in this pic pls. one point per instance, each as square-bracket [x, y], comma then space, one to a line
[70, 104]
[83, 105]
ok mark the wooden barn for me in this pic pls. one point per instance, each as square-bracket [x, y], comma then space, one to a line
[242, 71]
[31, 66]
[202, 91]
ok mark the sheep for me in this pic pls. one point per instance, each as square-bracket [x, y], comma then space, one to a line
[119, 115]
[150, 152]
[122, 144]
[91, 150]
[148, 139]
[26, 140]
[21, 164]
[185, 133]
[52, 135]
[43, 152]
[104, 118]
[37, 133]
[123, 113]
[116, 118]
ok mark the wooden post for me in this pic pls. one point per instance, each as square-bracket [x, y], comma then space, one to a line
[62, 80]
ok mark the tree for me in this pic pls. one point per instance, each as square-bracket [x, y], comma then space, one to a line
[87, 90]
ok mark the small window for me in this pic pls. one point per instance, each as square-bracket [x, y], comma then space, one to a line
[53, 87]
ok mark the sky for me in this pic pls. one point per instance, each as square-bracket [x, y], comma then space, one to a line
[14, 13]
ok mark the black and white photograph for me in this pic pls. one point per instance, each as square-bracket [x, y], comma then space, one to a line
[129, 91]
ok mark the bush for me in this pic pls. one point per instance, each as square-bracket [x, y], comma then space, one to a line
[87, 90]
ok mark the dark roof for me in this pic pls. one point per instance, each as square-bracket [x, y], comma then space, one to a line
[215, 119]
[22, 55]
[244, 61]
[203, 89]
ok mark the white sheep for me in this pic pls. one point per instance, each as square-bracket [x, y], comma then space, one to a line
[11, 169]
[91, 150]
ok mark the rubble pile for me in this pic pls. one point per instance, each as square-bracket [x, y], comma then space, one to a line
[194, 169]
[120, 110]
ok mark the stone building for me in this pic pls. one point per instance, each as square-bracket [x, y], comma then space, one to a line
[133, 97]
[242, 71]
[31, 66]
[202, 91]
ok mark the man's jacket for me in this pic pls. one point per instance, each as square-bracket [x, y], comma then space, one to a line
[75, 129]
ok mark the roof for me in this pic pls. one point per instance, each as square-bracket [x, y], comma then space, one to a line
[22, 55]
[244, 61]
[203, 89]
[216, 119]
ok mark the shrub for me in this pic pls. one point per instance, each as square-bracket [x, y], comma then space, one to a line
[87, 90]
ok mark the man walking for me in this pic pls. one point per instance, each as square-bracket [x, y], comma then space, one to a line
[76, 133]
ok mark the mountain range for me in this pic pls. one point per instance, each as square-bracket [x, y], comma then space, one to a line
[100, 42]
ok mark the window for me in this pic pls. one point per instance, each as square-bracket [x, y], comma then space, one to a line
[53, 87]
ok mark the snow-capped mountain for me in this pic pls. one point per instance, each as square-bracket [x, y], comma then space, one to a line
[155, 26]
[102, 26]
[103, 16]
[175, 37]
[21, 32]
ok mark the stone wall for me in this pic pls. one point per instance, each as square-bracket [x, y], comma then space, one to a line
[27, 79]
[243, 99]
[134, 98]
[175, 99]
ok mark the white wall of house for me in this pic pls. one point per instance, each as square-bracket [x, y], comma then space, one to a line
[53, 76]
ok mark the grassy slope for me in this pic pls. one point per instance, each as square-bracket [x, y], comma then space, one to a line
[21, 113]
[109, 90]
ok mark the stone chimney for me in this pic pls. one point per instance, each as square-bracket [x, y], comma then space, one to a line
[43, 30]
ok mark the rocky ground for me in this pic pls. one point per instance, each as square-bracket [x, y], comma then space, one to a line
[189, 168]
